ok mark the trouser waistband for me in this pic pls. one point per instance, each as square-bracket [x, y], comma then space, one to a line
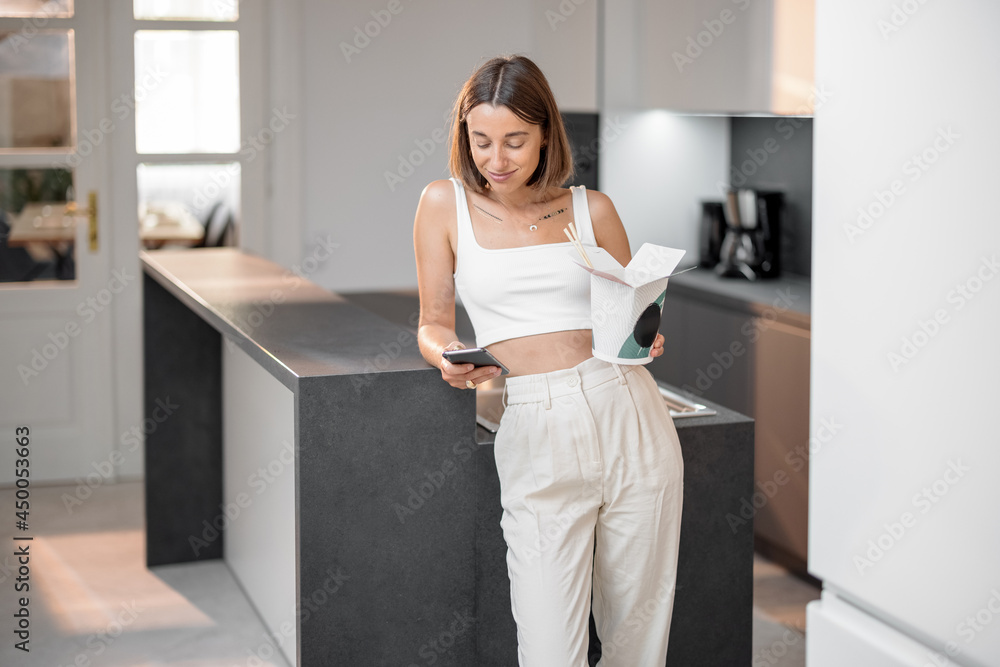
[543, 387]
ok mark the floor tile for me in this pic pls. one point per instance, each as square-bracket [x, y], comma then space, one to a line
[93, 599]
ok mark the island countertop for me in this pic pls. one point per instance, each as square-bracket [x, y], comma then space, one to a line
[288, 324]
[370, 421]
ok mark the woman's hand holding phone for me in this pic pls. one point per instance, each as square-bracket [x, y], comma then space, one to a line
[459, 374]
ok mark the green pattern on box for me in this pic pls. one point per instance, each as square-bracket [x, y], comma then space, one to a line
[631, 349]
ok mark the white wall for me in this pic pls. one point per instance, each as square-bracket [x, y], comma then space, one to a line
[373, 130]
[902, 361]
[656, 167]
[384, 113]
[564, 46]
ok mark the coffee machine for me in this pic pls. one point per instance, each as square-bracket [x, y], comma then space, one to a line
[741, 236]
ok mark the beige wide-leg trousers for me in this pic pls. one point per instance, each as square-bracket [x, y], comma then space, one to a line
[591, 482]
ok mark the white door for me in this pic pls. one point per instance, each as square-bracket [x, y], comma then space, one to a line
[186, 85]
[163, 105]
[55, 331]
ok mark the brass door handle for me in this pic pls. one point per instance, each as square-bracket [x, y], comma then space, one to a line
[91, 213]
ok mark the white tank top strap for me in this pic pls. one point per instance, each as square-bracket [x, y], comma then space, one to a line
[581, 215]
[463, 221]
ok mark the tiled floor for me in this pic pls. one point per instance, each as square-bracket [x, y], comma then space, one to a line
[93, 602]
[779, 618]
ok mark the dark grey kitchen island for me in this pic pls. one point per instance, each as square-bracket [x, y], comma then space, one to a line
[349, 489]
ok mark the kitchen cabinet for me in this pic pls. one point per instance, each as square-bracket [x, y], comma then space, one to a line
[706, 353]
[713, 56]
[743, 346]
[780, 382]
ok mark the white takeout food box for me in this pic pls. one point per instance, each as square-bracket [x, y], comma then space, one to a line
[626, 303]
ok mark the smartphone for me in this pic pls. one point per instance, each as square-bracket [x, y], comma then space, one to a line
[476, 356]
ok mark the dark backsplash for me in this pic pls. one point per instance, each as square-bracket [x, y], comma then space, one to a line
[776, 154]
[582, 129]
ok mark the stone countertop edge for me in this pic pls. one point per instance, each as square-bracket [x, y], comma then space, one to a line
[786, 298]
[722, 417]
[306, 335]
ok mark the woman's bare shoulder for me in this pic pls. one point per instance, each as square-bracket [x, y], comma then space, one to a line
[437, 205]
[600, 205]
[438, 194]
[608, 228]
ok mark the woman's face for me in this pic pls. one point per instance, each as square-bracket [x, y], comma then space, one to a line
[505, 149]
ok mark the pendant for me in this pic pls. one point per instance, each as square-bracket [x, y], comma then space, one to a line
[533, 228]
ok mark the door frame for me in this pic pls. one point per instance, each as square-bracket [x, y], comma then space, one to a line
[130, 423]
[72, 430]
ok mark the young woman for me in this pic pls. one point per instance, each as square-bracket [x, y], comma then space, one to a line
[589, 462]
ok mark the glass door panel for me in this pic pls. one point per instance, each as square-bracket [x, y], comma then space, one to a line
[37, 8]
[188, 204]
[187, 10]
[36, 90]
[37, 228]
[37, 118]
[195, 106]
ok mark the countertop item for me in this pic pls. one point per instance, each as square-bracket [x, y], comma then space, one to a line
[786, 297]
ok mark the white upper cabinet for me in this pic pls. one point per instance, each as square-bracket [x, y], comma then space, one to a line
[709, 56]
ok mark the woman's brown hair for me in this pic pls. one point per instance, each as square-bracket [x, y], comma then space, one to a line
[514, 82]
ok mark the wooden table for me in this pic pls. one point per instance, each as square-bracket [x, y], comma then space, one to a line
[48, 223]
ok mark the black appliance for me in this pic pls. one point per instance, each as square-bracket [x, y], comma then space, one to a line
[711, 233]
[750, 246]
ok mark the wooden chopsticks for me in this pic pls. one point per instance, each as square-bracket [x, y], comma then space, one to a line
[574, 238]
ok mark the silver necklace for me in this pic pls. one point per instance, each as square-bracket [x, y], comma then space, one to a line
[532, 227]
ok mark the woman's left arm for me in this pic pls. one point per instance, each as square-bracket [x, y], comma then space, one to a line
[610, 235]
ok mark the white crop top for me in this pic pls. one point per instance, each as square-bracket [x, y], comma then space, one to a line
[523, 291]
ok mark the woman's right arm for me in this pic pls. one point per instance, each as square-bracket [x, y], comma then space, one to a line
[432, 230]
